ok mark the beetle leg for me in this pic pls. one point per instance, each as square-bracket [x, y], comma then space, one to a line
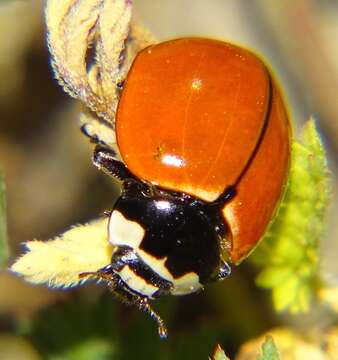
[143, 305]
[118, 289]
[105, 159]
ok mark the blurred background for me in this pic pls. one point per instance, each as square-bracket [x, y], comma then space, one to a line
[51, 183]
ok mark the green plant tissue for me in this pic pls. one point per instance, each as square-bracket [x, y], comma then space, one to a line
[288, 254]
[269, 350]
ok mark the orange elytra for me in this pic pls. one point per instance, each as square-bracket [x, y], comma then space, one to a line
[197, 116]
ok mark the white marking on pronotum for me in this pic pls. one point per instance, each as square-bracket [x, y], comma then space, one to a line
[124, 232]
[186, 284]
[157, 265]
[136, 282]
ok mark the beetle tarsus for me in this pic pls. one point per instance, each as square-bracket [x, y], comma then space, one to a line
[144, 306]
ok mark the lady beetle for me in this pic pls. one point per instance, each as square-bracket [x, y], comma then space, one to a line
[205, 142]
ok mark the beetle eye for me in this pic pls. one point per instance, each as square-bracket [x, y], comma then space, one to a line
[147, 191]
[130, 185]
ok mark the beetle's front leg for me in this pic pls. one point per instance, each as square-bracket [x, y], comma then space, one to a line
[118, 289]
[142, 304]
[104, 159]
